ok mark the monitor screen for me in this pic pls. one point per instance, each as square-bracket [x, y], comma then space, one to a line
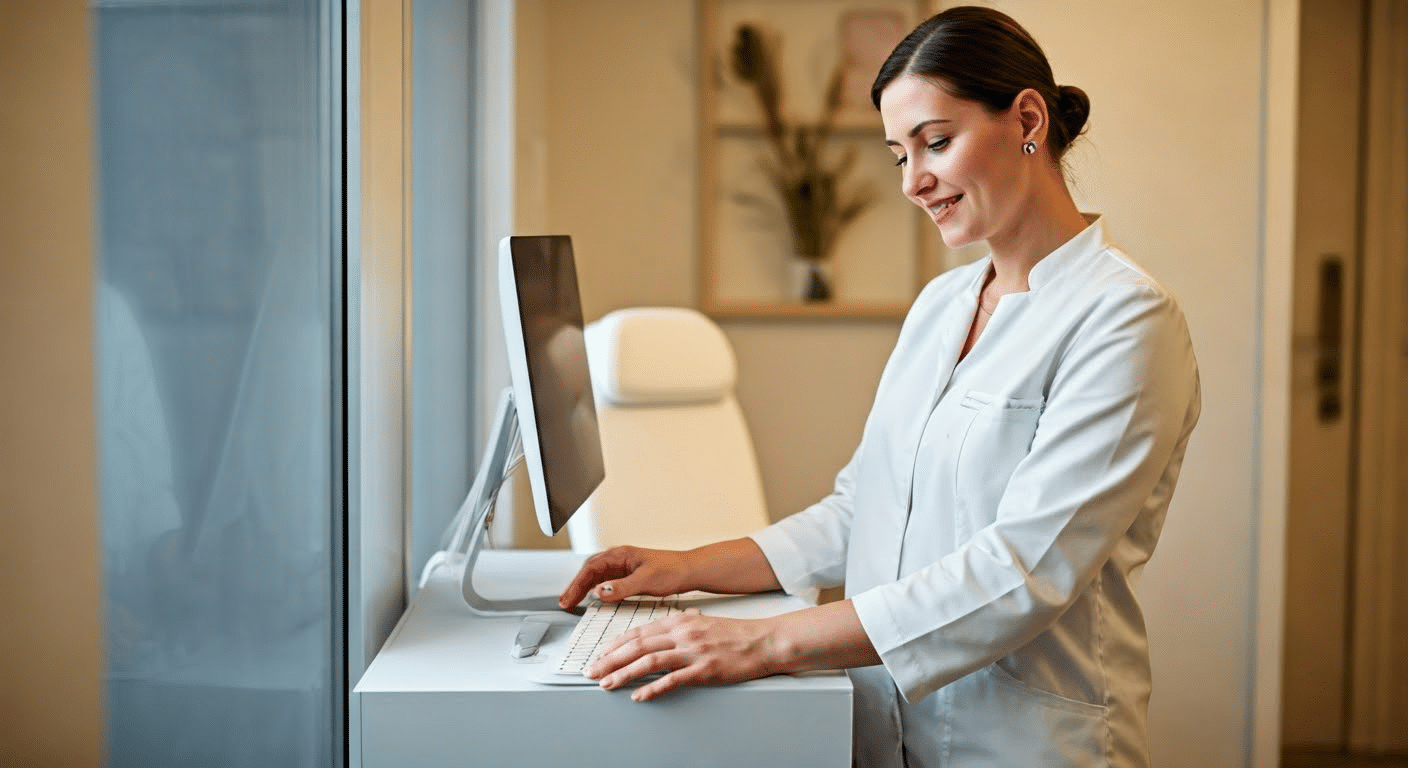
[552, 385]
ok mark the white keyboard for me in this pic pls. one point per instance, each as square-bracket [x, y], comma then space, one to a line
[604, 622]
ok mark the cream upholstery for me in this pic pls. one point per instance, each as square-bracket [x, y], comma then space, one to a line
[680, 467]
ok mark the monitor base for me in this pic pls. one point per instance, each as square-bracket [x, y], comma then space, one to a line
[471, 523]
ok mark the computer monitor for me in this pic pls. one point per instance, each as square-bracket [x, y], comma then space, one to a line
[552, 386]
[548, 408]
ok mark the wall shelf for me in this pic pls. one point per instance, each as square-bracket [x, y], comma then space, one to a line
[857, 310]
[747, 269]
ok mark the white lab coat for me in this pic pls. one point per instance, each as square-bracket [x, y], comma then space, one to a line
[991, 526]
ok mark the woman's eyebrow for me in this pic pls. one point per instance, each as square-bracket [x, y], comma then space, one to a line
[916, 129]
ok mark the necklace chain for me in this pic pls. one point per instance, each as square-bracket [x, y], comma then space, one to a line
[983, 292]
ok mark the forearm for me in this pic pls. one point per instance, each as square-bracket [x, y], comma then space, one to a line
[829, 636]
[728, 567]
[733, 567]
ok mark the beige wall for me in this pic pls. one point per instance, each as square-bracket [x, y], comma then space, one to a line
[1174, 158]
[50, 652]
[607, 145]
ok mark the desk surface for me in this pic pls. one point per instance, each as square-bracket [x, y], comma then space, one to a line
[444, 690]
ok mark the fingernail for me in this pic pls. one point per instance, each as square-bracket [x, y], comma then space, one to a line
[637, 696]
[605, 589]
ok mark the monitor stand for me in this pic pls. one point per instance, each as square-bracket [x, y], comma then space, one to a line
[472, 521]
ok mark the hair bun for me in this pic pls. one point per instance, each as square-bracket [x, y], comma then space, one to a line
[1074, 107]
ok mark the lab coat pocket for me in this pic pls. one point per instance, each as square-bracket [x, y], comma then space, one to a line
[1007, 722]
[999, 435]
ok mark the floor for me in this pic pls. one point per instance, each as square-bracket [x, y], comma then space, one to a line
[1309, 759]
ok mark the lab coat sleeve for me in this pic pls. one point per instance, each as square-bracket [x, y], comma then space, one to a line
[807, 551]
[1109, 442]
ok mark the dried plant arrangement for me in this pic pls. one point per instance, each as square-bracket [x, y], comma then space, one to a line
[812, 185]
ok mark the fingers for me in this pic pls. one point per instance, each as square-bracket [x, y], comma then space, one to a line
[611, 564]
[575, 591]
[684, 650]
[637, 582]
[677, 669]
[623, 572]
[626, 649]
[649, 650]
[667, 683]
[653, 663]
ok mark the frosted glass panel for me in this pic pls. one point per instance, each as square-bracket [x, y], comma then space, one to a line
[216, 351]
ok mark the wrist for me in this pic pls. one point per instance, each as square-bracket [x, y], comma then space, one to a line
[826, 636]
[781, 647]
[736, 566]
[692, 569]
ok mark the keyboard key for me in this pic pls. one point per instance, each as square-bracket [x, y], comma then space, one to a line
[604, 622]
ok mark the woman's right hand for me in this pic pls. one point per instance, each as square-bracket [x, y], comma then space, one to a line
[621, 572]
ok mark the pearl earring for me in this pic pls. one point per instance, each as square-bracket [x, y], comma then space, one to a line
[1029, 147]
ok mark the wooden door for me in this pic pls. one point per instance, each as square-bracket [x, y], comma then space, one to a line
[1378, 690]
[1345, 681]
[1323, 382]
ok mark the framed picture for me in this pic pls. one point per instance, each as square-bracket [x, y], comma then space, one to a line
[801, 213]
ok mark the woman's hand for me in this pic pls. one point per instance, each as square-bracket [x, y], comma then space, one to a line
[700, 650]
[731, 567]
[620, 572]
[688, 649]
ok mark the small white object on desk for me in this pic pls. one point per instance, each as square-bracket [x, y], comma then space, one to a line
[530, 635]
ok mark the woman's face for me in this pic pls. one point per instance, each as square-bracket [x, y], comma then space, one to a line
[959, 162]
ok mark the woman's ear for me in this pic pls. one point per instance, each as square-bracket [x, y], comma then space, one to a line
[1030, 109]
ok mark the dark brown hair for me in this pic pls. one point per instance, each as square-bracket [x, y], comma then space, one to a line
[983, 55]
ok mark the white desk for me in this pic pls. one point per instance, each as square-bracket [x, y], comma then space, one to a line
[444, 691]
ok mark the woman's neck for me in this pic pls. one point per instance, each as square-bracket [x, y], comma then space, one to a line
[1047, 220]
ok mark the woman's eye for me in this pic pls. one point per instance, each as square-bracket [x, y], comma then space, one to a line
[937, 145]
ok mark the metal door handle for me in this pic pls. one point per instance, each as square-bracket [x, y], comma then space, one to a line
[1329, 365]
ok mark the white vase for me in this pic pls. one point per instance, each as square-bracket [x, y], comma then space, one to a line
[811, 280]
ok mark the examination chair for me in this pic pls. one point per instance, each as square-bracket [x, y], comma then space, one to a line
[680, 466]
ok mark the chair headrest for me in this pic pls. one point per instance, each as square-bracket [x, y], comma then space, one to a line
[659, 356]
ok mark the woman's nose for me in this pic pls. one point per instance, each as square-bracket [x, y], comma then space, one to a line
[916, 180]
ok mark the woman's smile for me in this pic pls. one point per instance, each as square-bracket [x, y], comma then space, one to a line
[945, 144]
[941, 210]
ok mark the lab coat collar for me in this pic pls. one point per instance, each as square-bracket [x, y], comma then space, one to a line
[1090, 240]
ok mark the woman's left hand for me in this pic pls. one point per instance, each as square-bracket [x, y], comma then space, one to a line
[688, 649]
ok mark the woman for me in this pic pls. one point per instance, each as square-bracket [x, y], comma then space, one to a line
[1014, 472]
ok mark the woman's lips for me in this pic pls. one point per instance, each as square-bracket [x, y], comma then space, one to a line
[943, 209]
